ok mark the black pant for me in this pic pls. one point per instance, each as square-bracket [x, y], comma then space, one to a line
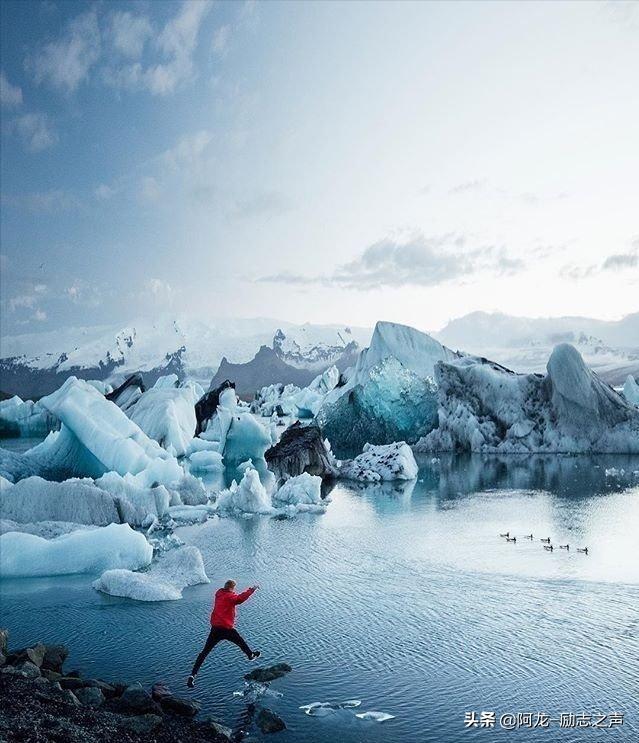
[215, 635]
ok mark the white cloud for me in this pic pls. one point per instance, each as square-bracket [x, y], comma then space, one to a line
[176, 45]
[157, 292]
[66, 62]
[10, 95]
[221, 38]
[415, 261]
[35, 130]
[149, 189]
[103, 192]
[129, 33]
[40, 315]
[188, 151]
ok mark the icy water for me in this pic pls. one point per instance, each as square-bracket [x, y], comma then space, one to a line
[403, 597]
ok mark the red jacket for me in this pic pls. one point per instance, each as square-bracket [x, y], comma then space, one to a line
[223, 614]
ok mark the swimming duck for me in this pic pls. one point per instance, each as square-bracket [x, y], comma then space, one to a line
[511, 539]
[584, 550]
[548, 547]
[529, 536]
[564, 546]
[546, 540]
[507, 534]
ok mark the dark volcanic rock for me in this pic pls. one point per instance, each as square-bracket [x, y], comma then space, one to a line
[141, 724]
[54, 657]
[136, 699]
[4, 640]
[300, 449]
[206, 406]
[90, 696]
[268, 722]
[170, 703]
[268, 673]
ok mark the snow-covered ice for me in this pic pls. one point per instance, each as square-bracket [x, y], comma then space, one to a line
[25, 418]
[167, 415]
[135, 503]
[114, 441]
[82, 551]
[78, 501]
[484, 407]
[250, 496]
[164, 581]
[380, 463]
[303, 489]
[631, 390]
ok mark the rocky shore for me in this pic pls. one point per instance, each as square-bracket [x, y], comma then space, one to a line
[40, 701]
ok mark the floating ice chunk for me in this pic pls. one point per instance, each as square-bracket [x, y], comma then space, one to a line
[484, 407]
[77, 501]
[318, 709]
[190, 491]
[83, 551]
[303, 489]
[379, 463]
[116, 442]
[206, 460]
[190, 514]
[164, 581]
[170, 381]
[45, 529]
[631, 390]
[167, 415]
[351, 703]
[391, 403]
[25, 418]
[246, 439]
[135, 502]
[249, 496]
[375, 716]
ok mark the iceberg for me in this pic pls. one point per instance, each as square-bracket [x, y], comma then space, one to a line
[77, 501]
[135, 503]
[83, 551]
[45, 529]
[289, 400]
[392, 403]
[167, 415]
[128, 393]
[374, 716]
[250, 496]
[206, 460]
[304, 489]
[111, 441]
[164, 581]
[385, 462]
[301, 449]
[631, 390]
[485, 407]
[25, 418]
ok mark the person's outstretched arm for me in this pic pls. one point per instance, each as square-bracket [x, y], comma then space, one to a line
[240, 598]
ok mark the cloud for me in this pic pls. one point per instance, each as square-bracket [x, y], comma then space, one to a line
[149, 189]
[10, 95]
[39, 315]
[35, 130]
[261, 204]
[82, 293]
[221, 38]
[157, 292]
[621, 261]
[129, 33]
[188, 150]
[66, 62]
[175, 44]
[103, 192]
[54, 200]
[416, 261]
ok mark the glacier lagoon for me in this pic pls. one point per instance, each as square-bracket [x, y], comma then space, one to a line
[401, 595]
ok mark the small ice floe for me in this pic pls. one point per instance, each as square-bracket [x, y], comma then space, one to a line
[375, 716]
[255, 690]
[321, 709]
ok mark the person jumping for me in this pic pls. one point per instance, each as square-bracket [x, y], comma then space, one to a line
[223, 625]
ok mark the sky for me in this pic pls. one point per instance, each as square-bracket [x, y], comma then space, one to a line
[317, 162]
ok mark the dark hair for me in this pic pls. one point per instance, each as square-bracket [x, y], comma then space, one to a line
[230, 584]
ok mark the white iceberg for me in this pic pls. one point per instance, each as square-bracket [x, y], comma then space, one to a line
[250, 496]
[114, 442]
[485, 407]
[303, 489]
[164, 581]
[79, 501]
[206, 460]
[374, 716]
[25, 418]
[167, 415]
[631, 390]
[82, 551]
[135, 503]
[384, 462]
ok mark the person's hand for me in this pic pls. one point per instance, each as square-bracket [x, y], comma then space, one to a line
[255, 588]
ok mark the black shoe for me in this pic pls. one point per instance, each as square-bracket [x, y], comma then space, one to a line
[190, 682]
[255, 654]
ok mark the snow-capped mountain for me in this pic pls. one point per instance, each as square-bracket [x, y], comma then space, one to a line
[611, 348]
[35, 364]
